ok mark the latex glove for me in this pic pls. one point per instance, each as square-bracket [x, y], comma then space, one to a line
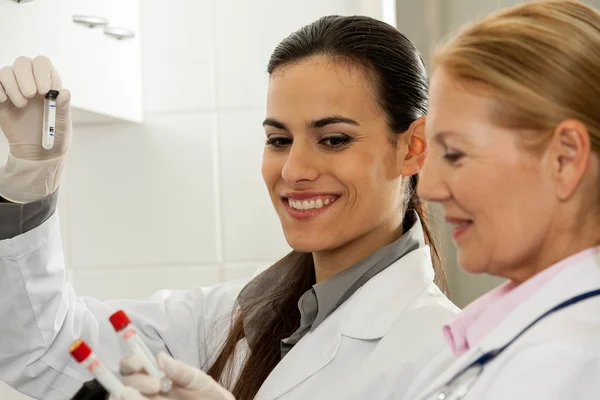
[189, 383]
[32, 172]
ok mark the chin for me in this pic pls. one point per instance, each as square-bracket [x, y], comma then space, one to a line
[305, 243]
[470, 263]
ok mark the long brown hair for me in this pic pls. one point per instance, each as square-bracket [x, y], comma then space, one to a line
[400, 81]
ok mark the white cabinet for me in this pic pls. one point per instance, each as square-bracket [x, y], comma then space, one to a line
[102, 71]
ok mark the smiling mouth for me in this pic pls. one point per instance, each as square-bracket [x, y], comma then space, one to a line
[311, 203]
[460, 227]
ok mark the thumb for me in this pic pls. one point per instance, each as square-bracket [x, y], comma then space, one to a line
[63, 104]
[183, 375]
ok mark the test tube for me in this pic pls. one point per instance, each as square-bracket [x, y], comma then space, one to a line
[84, 356]
[122, 324]
[49, 119]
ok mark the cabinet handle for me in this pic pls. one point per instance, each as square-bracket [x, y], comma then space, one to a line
[119, 33]
[90, 20]
[23, 1]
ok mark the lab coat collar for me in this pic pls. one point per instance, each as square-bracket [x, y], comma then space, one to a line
[311, 354]
[582, 276]
[378, 304]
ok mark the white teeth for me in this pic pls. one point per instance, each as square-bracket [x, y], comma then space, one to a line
[309, 205]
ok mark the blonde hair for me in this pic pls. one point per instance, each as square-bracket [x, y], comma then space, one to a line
[540, 60]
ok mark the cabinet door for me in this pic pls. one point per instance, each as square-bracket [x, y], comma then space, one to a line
[102, 72]
[107, 71]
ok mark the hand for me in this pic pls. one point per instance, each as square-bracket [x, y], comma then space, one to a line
[31, 171]
[189, 383]
[22, 90]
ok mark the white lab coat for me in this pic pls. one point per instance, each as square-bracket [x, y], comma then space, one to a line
[557, 359]
[374, 343]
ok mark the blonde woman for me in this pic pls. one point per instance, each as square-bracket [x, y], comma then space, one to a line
[514, 122]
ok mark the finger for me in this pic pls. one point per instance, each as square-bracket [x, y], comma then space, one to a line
[3, 96]
[56, 81]
[146, 384]
[11, 87]
[129, 393]
[23, 70]
[130, 365]
[63, 106]
[45, 75]
[180, 373]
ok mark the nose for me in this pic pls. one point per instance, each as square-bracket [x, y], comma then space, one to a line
[432, 185]
[301, 164]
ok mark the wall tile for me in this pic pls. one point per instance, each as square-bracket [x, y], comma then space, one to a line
[243, 270]
[140, 283]
[246, 37]
[143, 195]
[177, 62]
[251, 228]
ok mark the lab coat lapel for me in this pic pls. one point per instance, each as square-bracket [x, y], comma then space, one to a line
[380, 301]
[577, 278]
[313, 352]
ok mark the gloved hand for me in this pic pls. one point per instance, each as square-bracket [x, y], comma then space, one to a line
[31, 171]
[189, 383]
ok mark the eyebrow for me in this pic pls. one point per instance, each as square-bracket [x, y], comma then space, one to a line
[442, 135]
[334, 119]
[275, 124]
[318, 123]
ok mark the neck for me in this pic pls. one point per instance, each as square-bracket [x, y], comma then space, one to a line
[555, 249]
[330, 262]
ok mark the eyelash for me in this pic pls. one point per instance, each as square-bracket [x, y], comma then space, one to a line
[280, 142]
[453, 156]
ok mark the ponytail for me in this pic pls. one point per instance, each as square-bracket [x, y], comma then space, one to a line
[415, 203]
[272, 315]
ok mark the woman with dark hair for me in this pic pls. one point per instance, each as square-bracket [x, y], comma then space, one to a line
[357, 304]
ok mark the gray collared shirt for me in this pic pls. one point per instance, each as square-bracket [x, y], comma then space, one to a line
[16, 219]
[325, 297]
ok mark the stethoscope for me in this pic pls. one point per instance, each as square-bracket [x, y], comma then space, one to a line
[460, 384]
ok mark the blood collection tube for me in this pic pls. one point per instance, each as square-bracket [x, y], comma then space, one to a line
[49, 119]
[84, 356]
[122, 324]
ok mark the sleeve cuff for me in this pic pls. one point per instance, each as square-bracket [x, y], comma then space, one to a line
[16, 219]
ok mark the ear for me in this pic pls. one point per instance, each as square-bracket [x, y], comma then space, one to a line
[415, 148]
[569, 151]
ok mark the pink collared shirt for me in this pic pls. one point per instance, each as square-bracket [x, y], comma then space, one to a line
[484, 314]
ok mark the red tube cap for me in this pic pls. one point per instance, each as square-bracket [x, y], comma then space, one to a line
[119, 320]
[80, 350]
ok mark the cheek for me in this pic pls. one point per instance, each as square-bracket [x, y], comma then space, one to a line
[362, 178]
[271, 169]
[507, 209]
[482, 191]
[374, 191]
